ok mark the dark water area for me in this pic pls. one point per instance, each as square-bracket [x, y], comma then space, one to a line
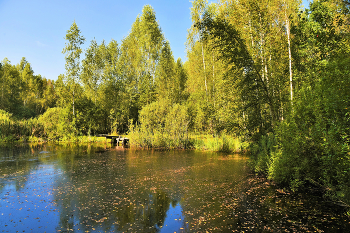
[69, 188]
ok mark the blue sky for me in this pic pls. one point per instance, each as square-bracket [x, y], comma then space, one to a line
[36, 29]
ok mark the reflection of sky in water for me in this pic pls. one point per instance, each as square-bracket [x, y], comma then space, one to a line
[175, 220]
[35, 198]
[139, 191]
[26, 203]
[115, 191]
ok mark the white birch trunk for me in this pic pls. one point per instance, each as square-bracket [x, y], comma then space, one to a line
[289, 56]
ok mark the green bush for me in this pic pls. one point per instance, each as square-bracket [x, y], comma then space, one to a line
[5, 115]
[312, 145]
[12, 129]
[261, 153]
[59, 124]
[162, 125]
[50, 120]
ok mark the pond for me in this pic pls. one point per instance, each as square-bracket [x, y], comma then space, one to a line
[63, 188]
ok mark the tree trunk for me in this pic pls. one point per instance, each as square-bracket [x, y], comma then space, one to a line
[73, 103]
[289, 56]
[214, 79]
[205, 78]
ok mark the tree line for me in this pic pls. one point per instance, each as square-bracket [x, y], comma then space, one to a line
[286, 76]
[104, 87]
[22, 93]
[269, 73]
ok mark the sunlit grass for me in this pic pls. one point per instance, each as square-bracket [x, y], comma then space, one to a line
[223, 143]
[205, 142]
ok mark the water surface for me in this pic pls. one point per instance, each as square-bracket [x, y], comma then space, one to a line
[61, 188]
[57, 188]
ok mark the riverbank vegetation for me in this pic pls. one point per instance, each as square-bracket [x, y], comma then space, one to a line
[269, 74]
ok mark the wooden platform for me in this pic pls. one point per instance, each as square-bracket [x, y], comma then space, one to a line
[115, 139]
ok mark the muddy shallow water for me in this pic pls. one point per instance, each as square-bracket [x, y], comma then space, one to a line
[57, 188]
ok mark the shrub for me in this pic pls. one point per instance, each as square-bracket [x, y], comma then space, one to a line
[12, 129]
[162, 125]
[59, 124]
[50, 120]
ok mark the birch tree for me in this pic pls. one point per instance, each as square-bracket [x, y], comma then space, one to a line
[72, 52]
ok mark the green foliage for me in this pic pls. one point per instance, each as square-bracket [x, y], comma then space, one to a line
[73, 51]
[290, 82]
[5, 116]
[165, 74]
[50, 121]
[11, 85]
[162, 125]
[60, 124]
[72, 57]
[223, 143]
[12, 129]
[24, 94]
[312, 145]
[266, 74]
[261, 152]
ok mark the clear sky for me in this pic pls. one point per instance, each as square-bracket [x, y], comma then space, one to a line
[35, 29]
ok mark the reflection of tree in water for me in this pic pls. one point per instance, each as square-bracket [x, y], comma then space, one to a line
[97, 193]
[17, 159]
[155, 210]
[147, 216]
[84, 212]
[162, 205]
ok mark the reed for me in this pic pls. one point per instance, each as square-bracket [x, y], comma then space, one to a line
[222, 143]
[12, 129]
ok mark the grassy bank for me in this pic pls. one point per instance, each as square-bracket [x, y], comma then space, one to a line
[41, 129]
[204, 142]
[12, 129]
[70, 139]
[222, 143]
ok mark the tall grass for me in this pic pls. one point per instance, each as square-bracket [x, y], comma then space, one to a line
[161, 139]
[12, 129]
[223, 143]
[157, 138]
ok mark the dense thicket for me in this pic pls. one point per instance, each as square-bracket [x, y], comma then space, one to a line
[289, 72]
[24, 94]
[266, 72]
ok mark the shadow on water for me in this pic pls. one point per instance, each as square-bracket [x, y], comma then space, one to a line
[262, 206]
[87, 188]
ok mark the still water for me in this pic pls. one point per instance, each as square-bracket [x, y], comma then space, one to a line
[65, 188]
